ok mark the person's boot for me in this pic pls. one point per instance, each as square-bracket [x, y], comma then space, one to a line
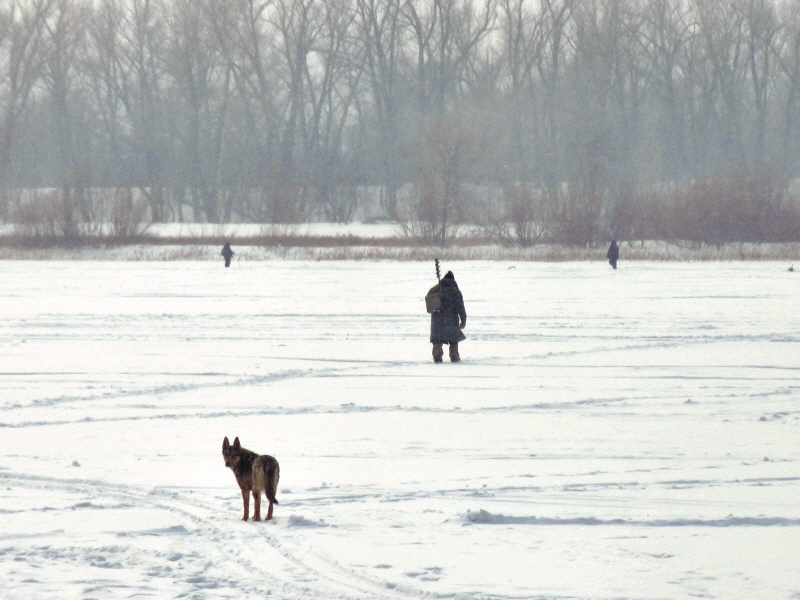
[438, 353]
[454, 357]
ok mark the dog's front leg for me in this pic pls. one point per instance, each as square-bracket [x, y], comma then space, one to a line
[257, 505]
[246, 502]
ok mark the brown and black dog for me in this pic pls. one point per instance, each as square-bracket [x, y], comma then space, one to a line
[254, 473]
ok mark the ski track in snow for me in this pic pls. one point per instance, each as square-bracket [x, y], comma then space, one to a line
[617, 435]
[258, 564]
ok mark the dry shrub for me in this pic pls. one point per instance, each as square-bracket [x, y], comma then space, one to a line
[271, 204]
[643, 213]
[439, 202]
[425, 217]
[516, 219]
[53, 216]
[277, 234]
[72, 216]
[575, 215]
[128, 216]
[741, 207]
[341, 203]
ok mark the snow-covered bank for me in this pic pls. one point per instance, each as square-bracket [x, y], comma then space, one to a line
[609, 434]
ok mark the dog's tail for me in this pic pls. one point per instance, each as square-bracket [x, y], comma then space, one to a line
[266, 473]
[272, 473]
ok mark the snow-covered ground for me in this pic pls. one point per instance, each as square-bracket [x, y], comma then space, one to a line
[609, 434]
[358, 229]
[196, 230]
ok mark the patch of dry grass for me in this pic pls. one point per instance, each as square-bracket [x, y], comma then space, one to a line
[650, 251]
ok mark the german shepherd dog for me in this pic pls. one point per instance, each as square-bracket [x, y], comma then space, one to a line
[254, 473]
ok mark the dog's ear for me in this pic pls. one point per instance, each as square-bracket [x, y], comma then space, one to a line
[236, 444]
[225, 444]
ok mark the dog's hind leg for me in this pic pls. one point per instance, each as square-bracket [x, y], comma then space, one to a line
[246, 502]
[257, 507]
[270, 491]
[269, 511]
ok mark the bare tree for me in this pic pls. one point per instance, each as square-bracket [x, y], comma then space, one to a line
[722, 27]
[788, 56]
[64, 44]
[665, 29]
[762, 30]
[21, 54]
[127, 79]
[446, 33]
[522, 37]
[297, 25]
[257, 83]
[381, 30]
[331, 84]
[438, 207]
[593, 148]
[558, 42]
[202, 81]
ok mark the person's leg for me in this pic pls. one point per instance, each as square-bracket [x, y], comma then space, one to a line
[454, 357]
[438, 352]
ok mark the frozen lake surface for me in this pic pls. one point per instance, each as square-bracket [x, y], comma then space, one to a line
[609, 434]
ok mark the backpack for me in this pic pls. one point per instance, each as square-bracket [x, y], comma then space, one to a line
[434, 301]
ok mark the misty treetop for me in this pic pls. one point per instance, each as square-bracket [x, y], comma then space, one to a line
[279, 110]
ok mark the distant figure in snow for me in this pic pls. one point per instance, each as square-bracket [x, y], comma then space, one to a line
[227, 253]
[613, 254]
[447, 323]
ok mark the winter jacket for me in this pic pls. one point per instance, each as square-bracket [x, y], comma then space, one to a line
[613, 252]
[445, 324]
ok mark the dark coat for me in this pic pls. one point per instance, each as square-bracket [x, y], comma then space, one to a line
[227, 254]
[445, 324]
[613, 254]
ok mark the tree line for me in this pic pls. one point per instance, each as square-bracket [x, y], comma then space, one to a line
[279, 111]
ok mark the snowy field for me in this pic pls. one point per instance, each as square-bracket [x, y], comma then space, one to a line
[609, 434]
[196, 230]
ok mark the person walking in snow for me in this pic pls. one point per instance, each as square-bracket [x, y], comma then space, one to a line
[613, 254]
[447, 323]
[227, 253]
